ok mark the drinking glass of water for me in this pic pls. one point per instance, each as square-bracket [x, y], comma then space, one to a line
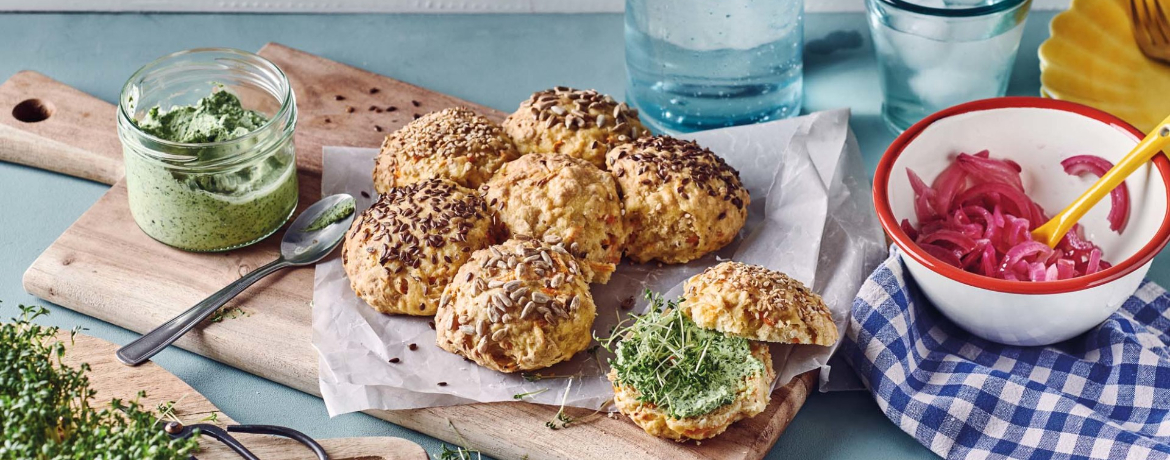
[702, 64]
[933, 54]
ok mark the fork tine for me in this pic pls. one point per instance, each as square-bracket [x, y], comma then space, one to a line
[1161, 24]
[1137, 12]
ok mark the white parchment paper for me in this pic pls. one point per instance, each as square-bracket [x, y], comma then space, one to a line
[811, 217]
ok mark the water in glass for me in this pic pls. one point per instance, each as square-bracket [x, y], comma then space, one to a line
[702, 64]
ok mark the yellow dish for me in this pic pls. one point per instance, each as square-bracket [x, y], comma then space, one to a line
[1093, 59]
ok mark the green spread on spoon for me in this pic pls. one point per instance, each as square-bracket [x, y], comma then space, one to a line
[332, 215]
[217, 209]
[678, 366]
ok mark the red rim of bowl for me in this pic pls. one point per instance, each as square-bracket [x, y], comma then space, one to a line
[908, 247]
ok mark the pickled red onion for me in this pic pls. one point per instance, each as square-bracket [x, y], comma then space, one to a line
[976, 216]
[1081, 164]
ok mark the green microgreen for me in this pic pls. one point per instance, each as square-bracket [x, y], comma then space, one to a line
[530, 393]
[535, 377]
[48, 410]
[676, 365]
[562, 420]
[458, 452]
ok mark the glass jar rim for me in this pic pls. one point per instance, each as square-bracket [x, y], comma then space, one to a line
[287, 102]
[976, 11]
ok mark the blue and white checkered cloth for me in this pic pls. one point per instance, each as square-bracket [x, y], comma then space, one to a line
[1104, 394]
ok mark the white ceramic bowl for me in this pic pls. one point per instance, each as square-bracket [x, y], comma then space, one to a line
[1037, 133]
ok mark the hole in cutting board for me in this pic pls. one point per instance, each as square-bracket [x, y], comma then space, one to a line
[32, 110]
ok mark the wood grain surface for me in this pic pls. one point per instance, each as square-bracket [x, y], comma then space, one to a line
[105, 267]
[110, 379]
[79, 137]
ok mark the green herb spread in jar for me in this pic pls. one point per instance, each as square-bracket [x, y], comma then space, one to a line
[209, 175]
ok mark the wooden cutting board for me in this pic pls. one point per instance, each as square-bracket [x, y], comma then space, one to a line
[110, 379]
[105, 267]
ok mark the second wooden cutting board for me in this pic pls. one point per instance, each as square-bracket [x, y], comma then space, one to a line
[110, 379]
[105, 267]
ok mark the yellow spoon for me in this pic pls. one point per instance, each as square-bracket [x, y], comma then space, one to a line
[1051, 232]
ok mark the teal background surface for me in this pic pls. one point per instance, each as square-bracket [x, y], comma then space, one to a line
[495, 60]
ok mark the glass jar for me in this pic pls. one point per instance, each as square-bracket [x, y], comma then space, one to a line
[211, 196]
[933, 55]
[693, 65]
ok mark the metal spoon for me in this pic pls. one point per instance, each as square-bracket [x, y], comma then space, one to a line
[298, 247]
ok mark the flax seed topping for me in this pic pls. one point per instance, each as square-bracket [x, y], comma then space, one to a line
[681, 200]
[579, 123]
[401, 252]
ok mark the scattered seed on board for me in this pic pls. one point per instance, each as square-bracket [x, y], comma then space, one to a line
[395, 360]
[412, 347]
[442, 384]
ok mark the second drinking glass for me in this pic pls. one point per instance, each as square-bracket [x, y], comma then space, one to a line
[935, 54]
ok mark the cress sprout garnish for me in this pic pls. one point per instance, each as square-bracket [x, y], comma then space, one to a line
[674, 364]
[48, 411]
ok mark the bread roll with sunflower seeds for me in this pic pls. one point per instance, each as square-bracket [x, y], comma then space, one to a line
[756, 303]
[455, 144]
[581, 124]
[518, 306]
[682, 201]
[402, 252]
[562, 200]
